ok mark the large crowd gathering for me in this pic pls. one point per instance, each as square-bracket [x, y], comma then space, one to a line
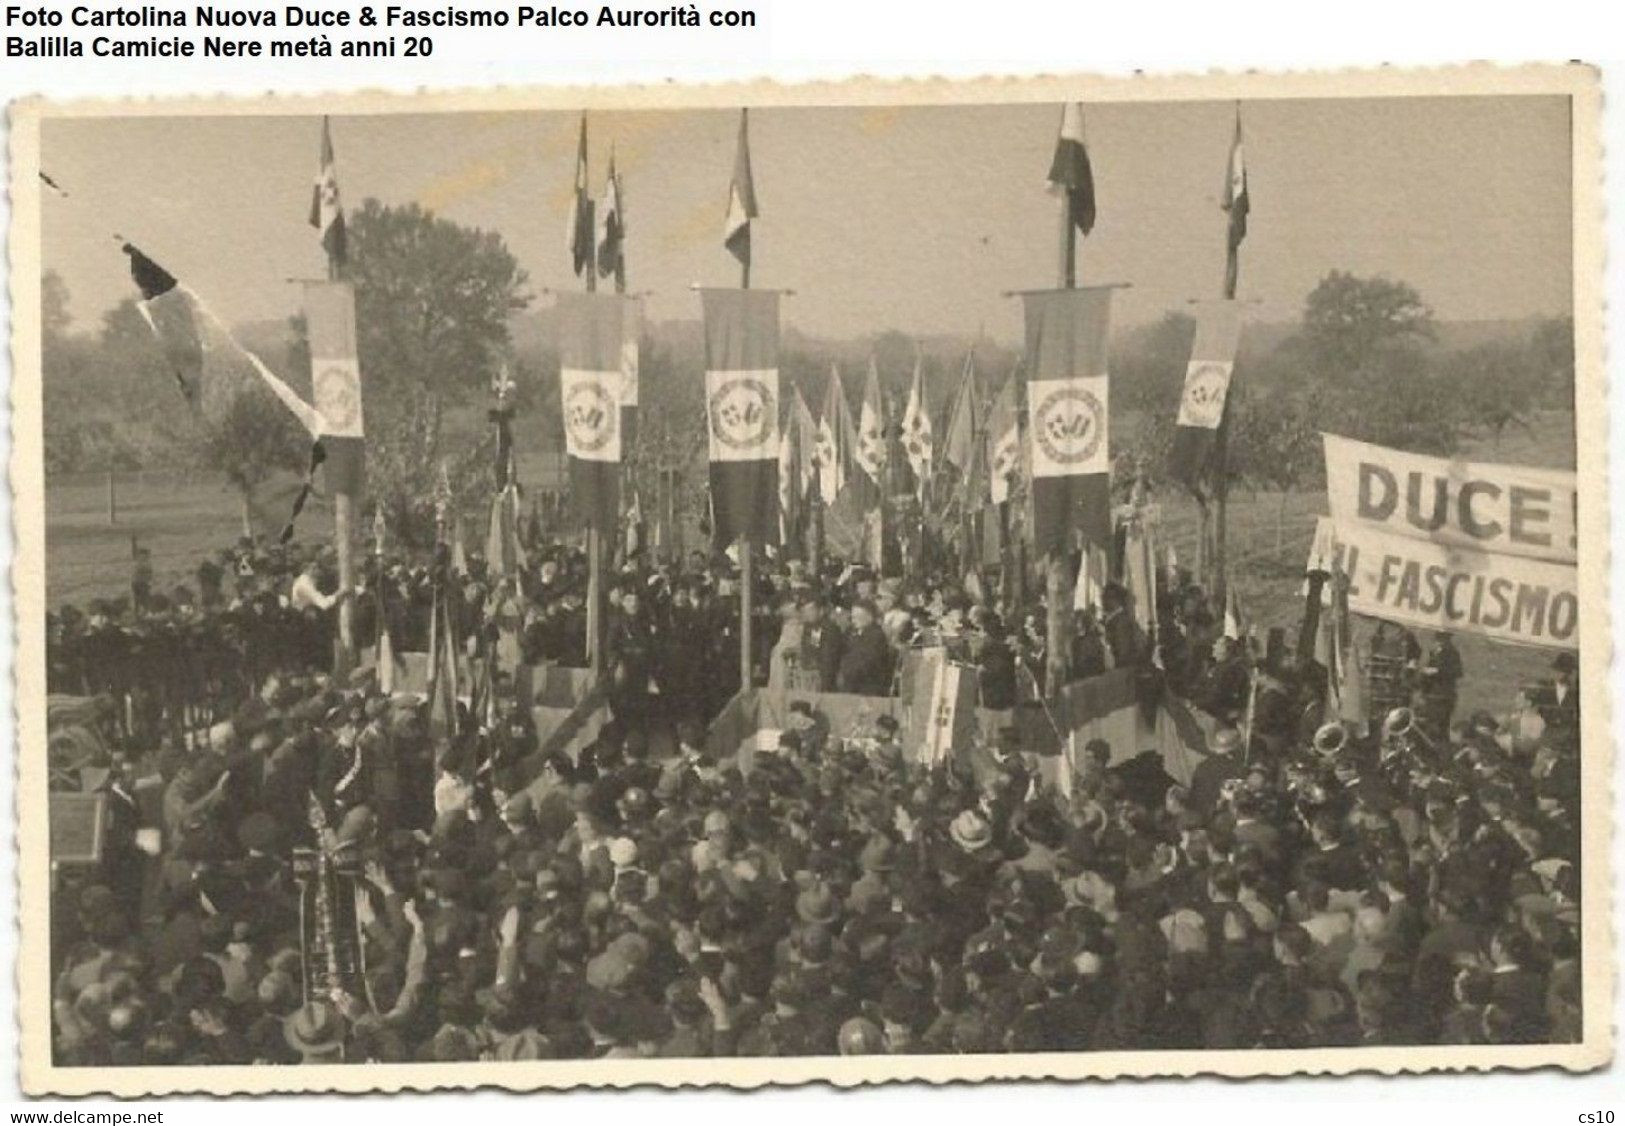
[1408, 880]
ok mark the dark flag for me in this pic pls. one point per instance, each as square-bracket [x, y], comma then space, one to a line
[612, 228]
[581, 233]
[1236, 203]
[592, 334]
[1207, 389]
[742, 412]
[335, 380]
[1070, 171]
[326, 212]
[741, 199]
[1067, 432]
[170, 315]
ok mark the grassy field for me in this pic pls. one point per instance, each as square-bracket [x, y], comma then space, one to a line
[182, 520]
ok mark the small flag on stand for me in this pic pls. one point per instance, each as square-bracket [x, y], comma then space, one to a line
[835, 450]
[592, 336]
[326, 212]
[581, 234]
[742, 412]
[1207, 388]
[1070, 172]
[741, 198]
[917, 436]
[1067, 432]
[335, 377]
[1236, 202]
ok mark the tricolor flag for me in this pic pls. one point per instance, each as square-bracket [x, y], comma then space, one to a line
[835, 450]
[872, 428]
[592, 336]
[504, 553]
[962, 446]
[631, 341]
[741, 199]
[612, 228]
[335, 380]
[326, 212]
[917, 436]
[1236, 202]
[1093, 576]
[580, 234]
[943, 708]
[1207, 391]
[1140, 570]
[742, 412]
[797, 475]
[1069, 171]
[1068, 437]
[1004, 442]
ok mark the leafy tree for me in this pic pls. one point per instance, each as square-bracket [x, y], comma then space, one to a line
[1551, 351]
[1275, 444]
[1349, 320]
[1495, 387]
[1148, 367]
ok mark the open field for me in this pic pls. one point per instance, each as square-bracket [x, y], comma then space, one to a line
[182, 520]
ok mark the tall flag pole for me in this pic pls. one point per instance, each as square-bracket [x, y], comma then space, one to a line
[1236, 202]
[581, 235]
[335, 377]
[1072, 176]
[742, 400]
[612, 229]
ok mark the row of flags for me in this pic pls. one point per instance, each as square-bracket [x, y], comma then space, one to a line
[596, 232]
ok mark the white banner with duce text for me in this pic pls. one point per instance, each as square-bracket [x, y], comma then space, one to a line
[1501, 509]
[1436, 586]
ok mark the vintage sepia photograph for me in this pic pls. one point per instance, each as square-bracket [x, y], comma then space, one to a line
[1042, 578]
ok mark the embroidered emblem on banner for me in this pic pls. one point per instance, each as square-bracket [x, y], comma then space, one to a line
[743, 413]
[1070, 423]
[335, 387]
[589, 416]
[1205, 386]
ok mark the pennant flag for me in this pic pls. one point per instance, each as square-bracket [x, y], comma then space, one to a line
[335, 380]
[1236, 202]
[326, 212]
[592, 338]
[1092, 578]
[741, 199]
[742, 411]
[1192, 457]
[1068, 440]
[1069, 171]
[612, 228]
[1004, 442]
[580, 233]
[835, 450]
[872, 428]
[184, 328]
[917, 436]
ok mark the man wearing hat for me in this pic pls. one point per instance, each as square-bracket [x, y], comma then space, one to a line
[821, 643]
[866, 663]
[1562, 711]
[1222, 765]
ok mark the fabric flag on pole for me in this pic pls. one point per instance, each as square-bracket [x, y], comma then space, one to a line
[1235, 622]
[835, 450]
[1140, 571]
[1070, 172]
[444, 688]
[1067, 433]
[1004, 442]
[459, 556]
[1207, 391]
[335, 379]
[592, 337]
[504, 552]
[326, 211]
[742, 411]
[581, 234]
[872, 429]
[631, 342]
[962, 447]
[1236, 202]
[917, 437]
[168, 311]
[741, 198]
[1093, 574]
[945, 700]
[634, 526]
[612, 227]
[797, 474]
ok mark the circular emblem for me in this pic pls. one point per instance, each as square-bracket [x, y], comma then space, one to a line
[742, 413]
[589, 416]
[1204, 395]
[1069, 424]
[335, 392]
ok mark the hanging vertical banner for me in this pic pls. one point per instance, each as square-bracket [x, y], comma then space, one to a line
[1207, 390]
[1067, 431]
[335, 379]
[592, 337]
[742, 411]
[631, 338]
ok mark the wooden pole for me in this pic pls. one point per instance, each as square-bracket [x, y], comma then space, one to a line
[112, 496]
[1057, 606]
[344, 545]
[747, 567]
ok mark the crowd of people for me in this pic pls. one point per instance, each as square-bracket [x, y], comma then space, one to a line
[1410, 880]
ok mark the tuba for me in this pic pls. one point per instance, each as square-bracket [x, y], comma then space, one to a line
[1403, 737]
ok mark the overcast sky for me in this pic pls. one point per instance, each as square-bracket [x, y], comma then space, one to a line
[914, 219]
